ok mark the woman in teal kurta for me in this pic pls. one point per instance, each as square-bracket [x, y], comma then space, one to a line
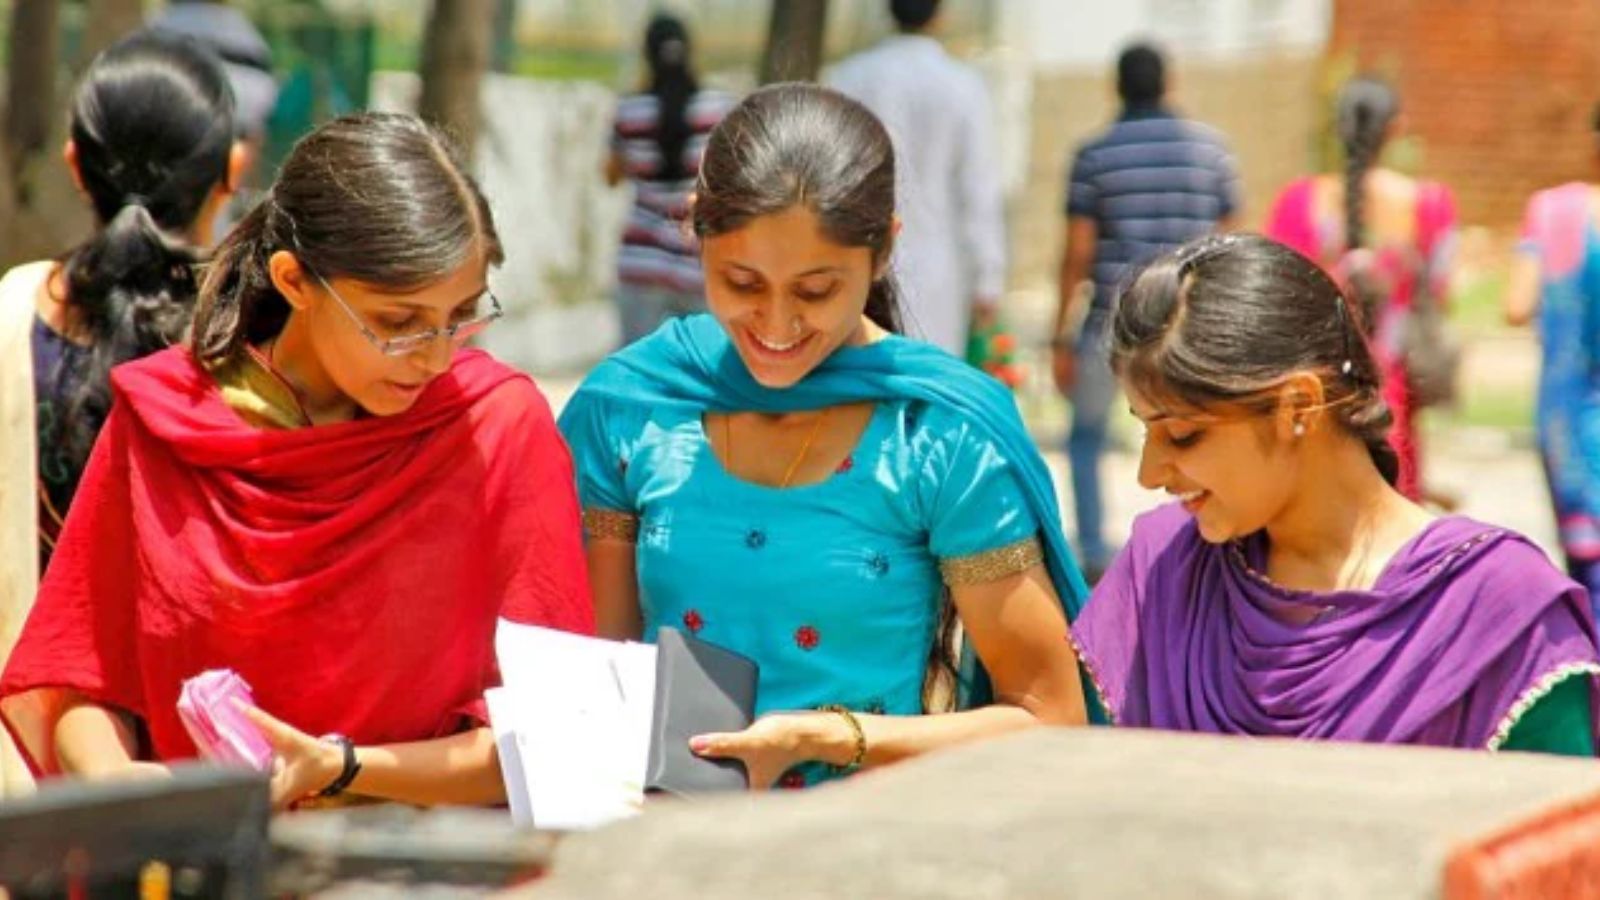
[788, 479]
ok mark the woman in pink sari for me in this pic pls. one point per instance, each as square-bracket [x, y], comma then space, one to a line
[1388, 236]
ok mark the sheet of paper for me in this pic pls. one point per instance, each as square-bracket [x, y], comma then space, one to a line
[578, 713]
[636, 669]
[504, 725]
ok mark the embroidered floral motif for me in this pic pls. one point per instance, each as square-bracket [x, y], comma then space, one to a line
[693, 621]
[807, 637]
[792, 780]
[755, 539]
[877, 565]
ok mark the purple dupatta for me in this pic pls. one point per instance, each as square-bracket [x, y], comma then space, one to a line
[1465, 627]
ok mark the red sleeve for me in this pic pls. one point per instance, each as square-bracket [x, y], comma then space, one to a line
[82, 633]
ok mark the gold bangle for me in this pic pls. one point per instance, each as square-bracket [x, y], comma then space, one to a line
[855, 727]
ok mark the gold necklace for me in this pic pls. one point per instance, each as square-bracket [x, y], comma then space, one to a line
[794, 465]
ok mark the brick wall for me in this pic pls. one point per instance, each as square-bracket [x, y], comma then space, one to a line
[1497, 93]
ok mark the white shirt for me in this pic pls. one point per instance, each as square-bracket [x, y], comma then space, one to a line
[952, 246]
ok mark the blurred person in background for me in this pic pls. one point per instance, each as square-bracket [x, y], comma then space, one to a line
[247, 61]
[1555, 282]
[657, 139]
[1150, 182]
[151, 147]
[951, 254]
[1390, 239]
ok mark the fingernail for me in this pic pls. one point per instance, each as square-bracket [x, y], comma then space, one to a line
[699, 744]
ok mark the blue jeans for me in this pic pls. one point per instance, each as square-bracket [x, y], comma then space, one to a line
[1091, 397]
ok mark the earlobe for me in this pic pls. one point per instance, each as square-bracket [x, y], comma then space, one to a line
[240, 158]
[69, 155]
[291, 279]
[1299, 401]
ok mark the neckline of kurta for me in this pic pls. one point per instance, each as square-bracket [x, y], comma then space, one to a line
[715, 466]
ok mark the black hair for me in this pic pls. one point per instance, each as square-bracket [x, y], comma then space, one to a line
[152, 132]
[1366, 107]
[913, 15]
[1141, 76]
[1223, 321]
[799, 144]
[381, 198]
[672, 82]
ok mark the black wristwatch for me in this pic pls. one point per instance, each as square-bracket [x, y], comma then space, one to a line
[352, 768]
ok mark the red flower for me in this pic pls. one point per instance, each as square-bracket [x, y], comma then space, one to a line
[848, 464]
[693, 621]
[807, 637]
[792, 780]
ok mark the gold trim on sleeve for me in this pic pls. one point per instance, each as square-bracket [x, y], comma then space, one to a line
[611, 525]
[992, 565]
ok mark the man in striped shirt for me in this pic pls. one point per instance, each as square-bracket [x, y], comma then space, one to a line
[1148, 183]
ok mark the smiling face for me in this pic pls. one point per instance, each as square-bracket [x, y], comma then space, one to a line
[787, 294]
[1231, 469]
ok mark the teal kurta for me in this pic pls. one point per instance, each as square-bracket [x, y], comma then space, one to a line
[834, 588]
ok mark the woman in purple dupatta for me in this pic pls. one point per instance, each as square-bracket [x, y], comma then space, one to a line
[1292, 591]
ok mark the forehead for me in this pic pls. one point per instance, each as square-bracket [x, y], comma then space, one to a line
[784, 244]
[465, 282]
[1152, 408]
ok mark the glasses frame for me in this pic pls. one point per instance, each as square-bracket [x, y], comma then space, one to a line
[406, 344]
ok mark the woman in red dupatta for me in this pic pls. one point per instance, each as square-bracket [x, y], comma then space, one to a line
[323, 494]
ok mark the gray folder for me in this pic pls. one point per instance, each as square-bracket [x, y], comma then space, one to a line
[700, 688]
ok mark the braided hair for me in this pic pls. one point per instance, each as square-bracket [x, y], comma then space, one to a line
[1366, 108]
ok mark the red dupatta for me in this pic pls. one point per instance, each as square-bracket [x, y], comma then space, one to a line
[352, 573]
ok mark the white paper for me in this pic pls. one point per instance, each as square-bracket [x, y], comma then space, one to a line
[503, 724]
[577, 712]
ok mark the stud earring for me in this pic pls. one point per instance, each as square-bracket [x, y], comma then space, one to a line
[1299, 429]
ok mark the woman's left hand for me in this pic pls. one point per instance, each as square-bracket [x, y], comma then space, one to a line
[774, 744]
[303, 765]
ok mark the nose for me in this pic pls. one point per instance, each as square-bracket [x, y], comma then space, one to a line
[1153, 466]
[778, 323]
[434, 357]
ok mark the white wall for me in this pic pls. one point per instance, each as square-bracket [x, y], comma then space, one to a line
[1080, 34]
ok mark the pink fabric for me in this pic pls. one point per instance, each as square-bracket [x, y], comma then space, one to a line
[1554, 223]
[1420, 269]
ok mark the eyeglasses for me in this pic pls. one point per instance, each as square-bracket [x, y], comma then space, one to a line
[456, 334]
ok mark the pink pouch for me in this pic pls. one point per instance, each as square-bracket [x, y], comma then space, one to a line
[217, 727]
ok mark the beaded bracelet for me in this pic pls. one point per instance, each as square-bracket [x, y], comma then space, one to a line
[855, 726]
